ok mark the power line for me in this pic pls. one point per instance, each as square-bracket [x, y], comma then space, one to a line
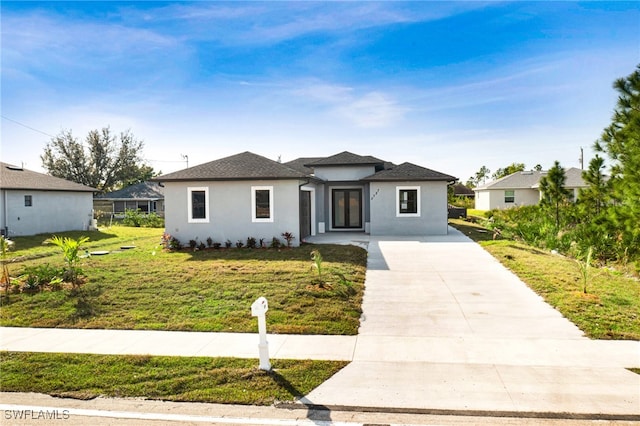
[25, 126]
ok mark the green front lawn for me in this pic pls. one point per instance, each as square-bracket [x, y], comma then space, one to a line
[610, 309]
[207, 290]
[192, 379]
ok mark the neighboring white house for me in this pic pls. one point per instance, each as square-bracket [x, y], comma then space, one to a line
[247, 195]
[34, 203]
[521, 189]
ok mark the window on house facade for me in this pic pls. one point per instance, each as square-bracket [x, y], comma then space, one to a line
[509, 196]
[198, 205]
[262, 203]
[408, 201]
[28, 200]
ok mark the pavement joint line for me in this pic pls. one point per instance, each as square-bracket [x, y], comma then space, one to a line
[550, 415]
[28, 412]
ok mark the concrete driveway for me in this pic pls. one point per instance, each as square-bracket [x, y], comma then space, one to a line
[446, 327]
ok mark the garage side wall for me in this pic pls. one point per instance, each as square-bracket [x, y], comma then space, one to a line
[433, 209]
[48, 212]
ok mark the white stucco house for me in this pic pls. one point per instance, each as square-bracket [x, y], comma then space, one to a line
[521, 189]
[247, 195]
[34, 203]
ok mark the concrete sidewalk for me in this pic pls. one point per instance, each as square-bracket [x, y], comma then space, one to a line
[175, 343]
[445, 327]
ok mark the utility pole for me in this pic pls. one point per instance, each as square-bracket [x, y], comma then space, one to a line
[185, 157]
[581, 158]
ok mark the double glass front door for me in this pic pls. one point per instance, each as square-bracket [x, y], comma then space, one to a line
[347, 208]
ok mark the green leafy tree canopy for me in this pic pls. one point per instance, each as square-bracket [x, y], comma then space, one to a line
[509, 170]
[104, 161]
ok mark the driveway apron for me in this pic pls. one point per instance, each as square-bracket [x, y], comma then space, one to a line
[446, 327]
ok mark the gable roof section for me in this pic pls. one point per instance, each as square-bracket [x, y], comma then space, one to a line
[139, 191]
[531, 180]
[518, 180]
[409, 172]
[243, 166]
[299, 164]
[346, 158]
[12, 177]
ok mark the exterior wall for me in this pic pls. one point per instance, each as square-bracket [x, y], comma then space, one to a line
[230, 215]
[337, 173]
[483, 200]
[433, 209]
[489, 199]
[50, 212]
[3, 205]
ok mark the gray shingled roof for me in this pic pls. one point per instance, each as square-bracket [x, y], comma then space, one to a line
[346, 158]
[409, 172]
[139, 191]
[12, 177]
[299, 164]
[243, 166]
[531, 179]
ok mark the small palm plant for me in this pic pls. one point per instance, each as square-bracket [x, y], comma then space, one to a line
[70, 249]
[585, 270]
[316, 256]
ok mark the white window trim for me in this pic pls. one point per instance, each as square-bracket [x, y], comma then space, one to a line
[253, 204]
[190, 190]
[402, 188]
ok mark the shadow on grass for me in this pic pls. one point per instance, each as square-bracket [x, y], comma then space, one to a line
[315, 412]
[85, 306]
[33, 241]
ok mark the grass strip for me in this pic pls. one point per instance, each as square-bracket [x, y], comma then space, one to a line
[189, 379]
[610, 309]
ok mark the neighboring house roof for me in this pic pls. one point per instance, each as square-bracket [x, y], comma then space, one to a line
[243, 166]
[573, 179]
[13, 177]
[530, 180]
[346, 158]
[463, 190]
[139, 191]
[409, 171]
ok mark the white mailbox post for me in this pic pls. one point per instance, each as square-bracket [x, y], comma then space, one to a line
[258, 309]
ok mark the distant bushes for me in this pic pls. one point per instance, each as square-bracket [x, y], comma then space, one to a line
[138, 219]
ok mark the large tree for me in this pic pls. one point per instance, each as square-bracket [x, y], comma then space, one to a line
[621, 142]
[554, 193]
[510, 169]
[104, 161]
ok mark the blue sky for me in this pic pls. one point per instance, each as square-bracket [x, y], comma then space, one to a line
[447, 85]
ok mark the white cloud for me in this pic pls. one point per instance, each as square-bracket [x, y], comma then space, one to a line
[373, 109]
[361, 108]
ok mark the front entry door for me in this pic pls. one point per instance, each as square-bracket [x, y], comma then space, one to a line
[347, 208]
